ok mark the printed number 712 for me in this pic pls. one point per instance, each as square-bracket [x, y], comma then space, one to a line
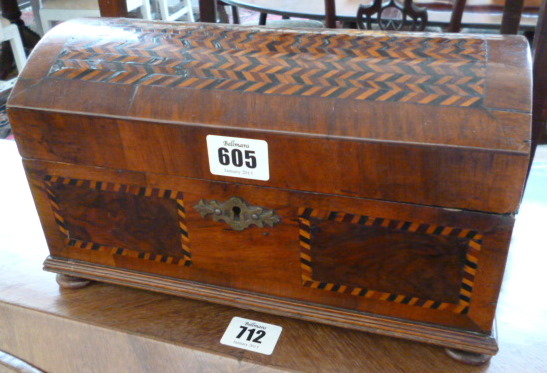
[259, 334]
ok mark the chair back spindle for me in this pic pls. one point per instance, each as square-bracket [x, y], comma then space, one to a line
[392, 16]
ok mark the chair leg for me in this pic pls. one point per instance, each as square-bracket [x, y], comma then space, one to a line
[35, 6]
[146, 13]
[190, 16]
[166, 16]
[235, 14]
[18, 51]
[222, 14]
[262, 19]
[164, 9]
[6, 60]
[46, 23]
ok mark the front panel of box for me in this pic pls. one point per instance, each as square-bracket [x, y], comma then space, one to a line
[419, 263]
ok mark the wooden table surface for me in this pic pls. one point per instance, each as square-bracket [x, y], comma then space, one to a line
[107, 328]
[346, 10]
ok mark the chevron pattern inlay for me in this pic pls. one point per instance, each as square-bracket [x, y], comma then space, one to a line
[469, 269]
[419, 70]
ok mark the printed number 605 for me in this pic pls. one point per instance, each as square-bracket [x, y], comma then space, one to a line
[236, 157]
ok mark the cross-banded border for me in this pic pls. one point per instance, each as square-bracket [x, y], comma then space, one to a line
[469, 270]
[186, 259]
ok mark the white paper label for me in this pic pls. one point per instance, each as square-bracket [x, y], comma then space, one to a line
[251, 335]
[237, 157]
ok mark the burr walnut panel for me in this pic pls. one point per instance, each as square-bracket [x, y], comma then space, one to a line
[148, 223]
[408, 262]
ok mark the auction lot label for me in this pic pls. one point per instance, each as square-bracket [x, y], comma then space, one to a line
[238, 157]
[251, 335]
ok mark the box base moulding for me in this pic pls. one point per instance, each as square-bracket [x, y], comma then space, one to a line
[467, 347]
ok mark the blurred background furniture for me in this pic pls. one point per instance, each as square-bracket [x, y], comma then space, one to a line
[167, 14]
[223, 14]
[483, 14]
[52, 11]
[10, 32]
[392, 15]
[12, 14]
[223, 17]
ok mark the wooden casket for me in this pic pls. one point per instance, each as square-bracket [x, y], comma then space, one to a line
[364, 180]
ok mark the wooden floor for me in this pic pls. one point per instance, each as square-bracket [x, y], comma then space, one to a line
[107, 328]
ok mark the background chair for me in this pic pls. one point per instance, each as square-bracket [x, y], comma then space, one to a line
[409, 15]
[287, 22]
[165, 10]
[10, 32]
[223, 14]
[52, 11]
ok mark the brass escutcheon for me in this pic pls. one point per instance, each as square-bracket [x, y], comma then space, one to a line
[237, 213]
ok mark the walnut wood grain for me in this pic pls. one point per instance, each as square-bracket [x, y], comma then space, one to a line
[114, 328]
[228, 258]
[126, 219]
[399, 172]
[419, 173]
[387, 260]
[447, 337]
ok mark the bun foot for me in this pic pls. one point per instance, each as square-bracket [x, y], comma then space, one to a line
[469, 358]
[71, 282]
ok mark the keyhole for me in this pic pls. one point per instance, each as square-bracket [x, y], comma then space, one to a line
[236, 210]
